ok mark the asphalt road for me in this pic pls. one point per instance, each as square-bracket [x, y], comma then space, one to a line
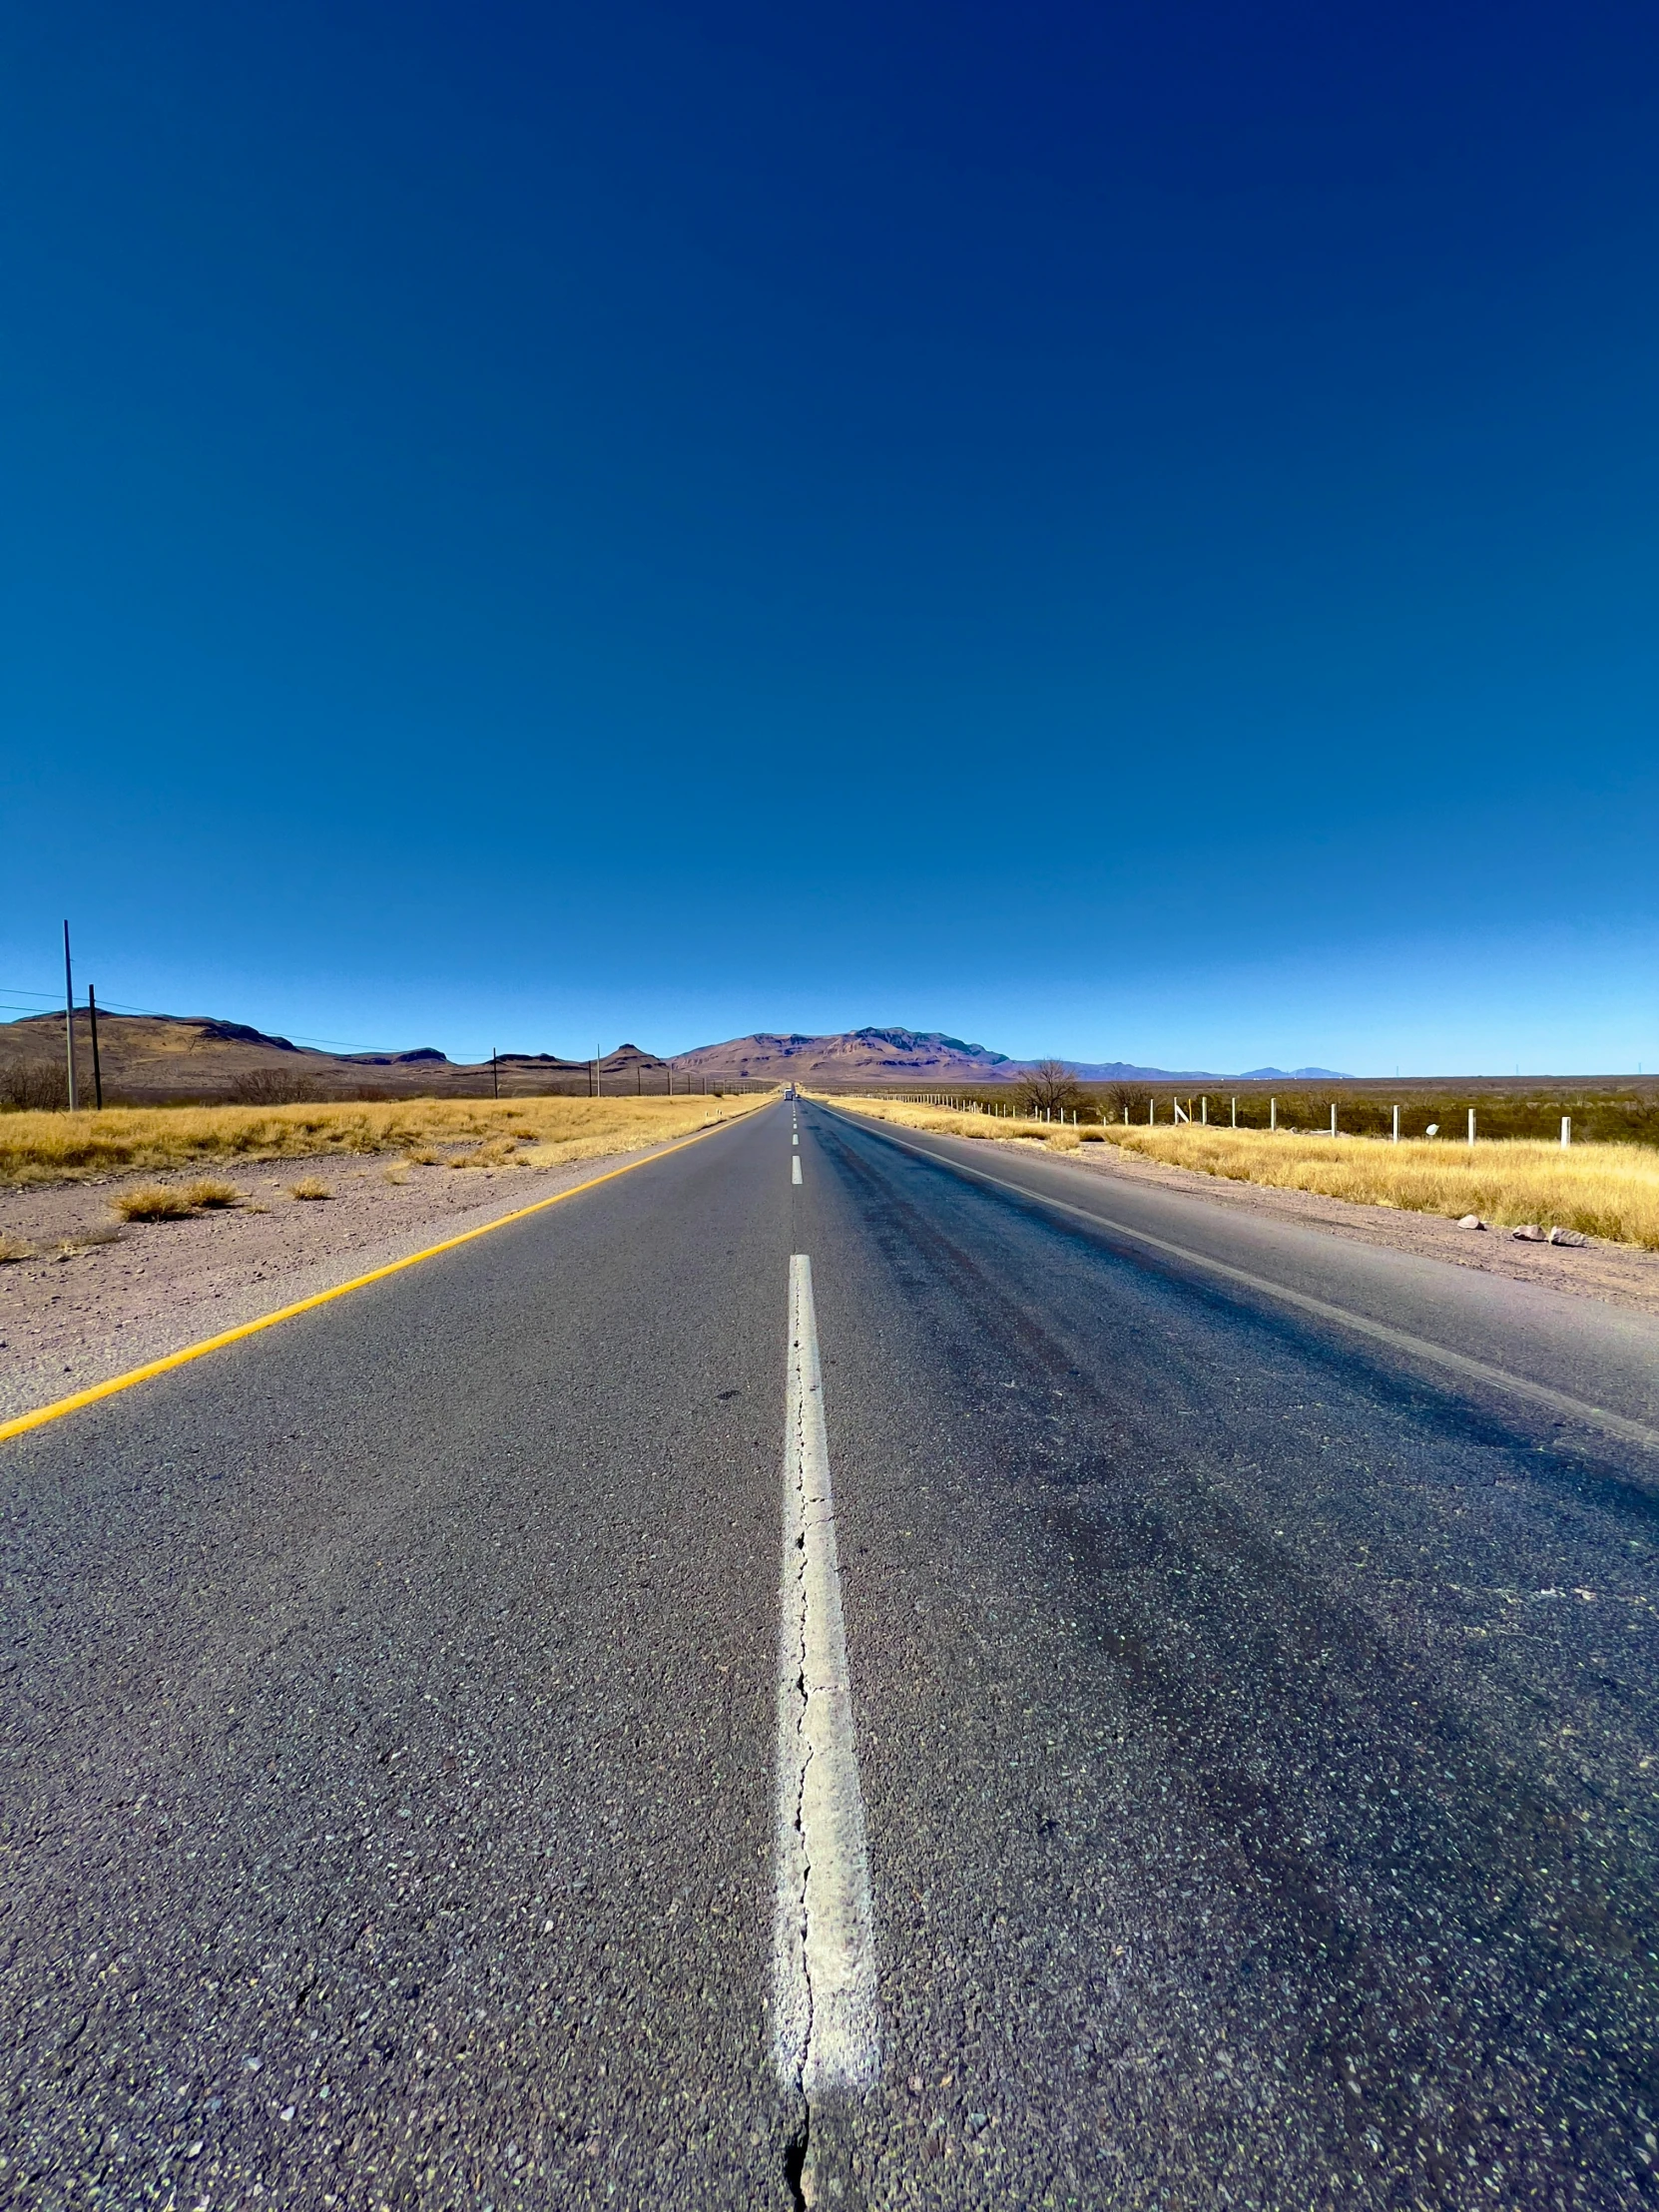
[1256, 1723]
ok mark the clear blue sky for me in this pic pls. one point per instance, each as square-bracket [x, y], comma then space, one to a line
[1127, 531]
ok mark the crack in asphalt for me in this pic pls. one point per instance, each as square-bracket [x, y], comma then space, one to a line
[799, 2147]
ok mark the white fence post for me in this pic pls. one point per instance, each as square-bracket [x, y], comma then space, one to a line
[1566, 1129]
[1273, 1113]
[1234, 1113]
[1333, 1117]
[1396, 1125]
[1472, 1125]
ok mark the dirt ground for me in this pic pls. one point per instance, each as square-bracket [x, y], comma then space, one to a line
[80, 1311]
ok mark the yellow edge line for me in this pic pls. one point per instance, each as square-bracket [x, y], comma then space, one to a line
[60, 1407]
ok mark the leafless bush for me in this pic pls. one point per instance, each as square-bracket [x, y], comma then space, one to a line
[1127, 1102]
[34, 1086]
[274, 1087]
[1049, 1087]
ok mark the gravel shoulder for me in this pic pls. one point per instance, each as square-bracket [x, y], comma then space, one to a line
[80, 1312]
[1615, 1274]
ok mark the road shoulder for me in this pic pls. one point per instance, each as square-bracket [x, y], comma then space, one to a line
[1616, 1274]
[74, 1317]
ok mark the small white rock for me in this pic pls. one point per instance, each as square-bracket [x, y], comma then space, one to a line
[1566, 1237]
[1471, 1221]
[1528, 1232]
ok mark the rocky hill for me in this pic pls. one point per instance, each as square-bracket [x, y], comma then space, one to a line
[921, 1056]
[852, 1056]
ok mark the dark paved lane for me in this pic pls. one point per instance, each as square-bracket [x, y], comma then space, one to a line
[389, 1715]
[1259, 1737]
[1259, 1744]
[1601, 1354]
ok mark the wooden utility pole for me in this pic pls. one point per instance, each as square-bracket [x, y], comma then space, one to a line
[97, 1065]
[69, 1016]
[495, 1075]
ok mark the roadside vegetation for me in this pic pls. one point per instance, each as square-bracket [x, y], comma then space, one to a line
[1629, 1115]
[1606, 1190]
[43, 1147]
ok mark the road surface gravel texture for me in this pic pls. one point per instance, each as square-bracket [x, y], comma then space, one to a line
[1256, 1722]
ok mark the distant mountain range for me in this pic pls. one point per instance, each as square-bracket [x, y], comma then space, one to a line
[151, 1059]
[147, 1059]
[1299, 1075]
[922, 1056]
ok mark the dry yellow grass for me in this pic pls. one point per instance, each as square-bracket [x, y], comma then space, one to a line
[53, 1147]
[212, 1193]
[954, 1124]
[14, 1247]
[152, 1202]
[310, 1187]
[494, 1152]
[1602, 1190]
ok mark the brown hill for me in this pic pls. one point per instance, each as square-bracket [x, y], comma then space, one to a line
[853, 1056]
[159, 1059]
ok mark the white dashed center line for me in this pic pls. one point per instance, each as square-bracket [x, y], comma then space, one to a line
[794, 1166]
[825, 2026]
